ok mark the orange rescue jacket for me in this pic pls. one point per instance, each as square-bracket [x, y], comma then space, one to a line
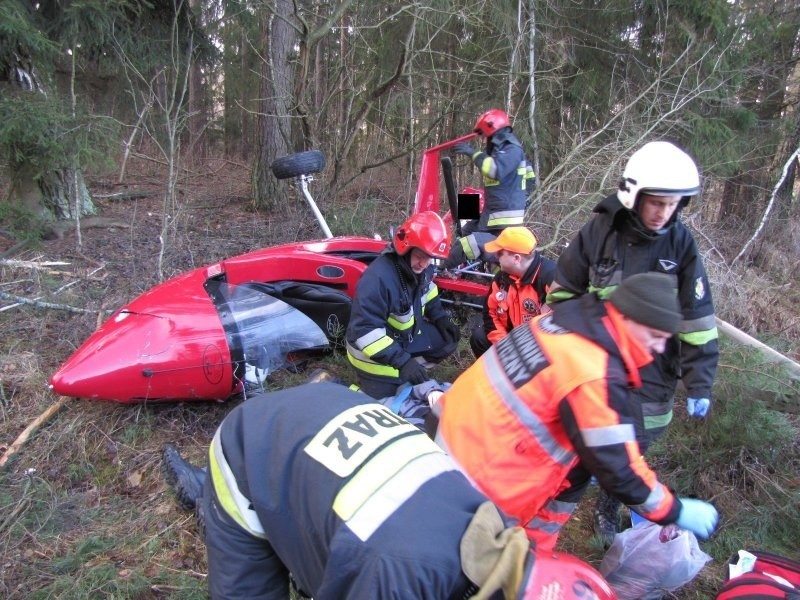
[515, 300]
[547, 396]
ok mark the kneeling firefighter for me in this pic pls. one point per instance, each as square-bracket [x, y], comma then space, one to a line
[398, 325]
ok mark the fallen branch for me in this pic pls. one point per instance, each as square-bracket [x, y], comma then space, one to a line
[59, 229]
[129, 195]
[49, 305]
[43, 418]
[58, 291]
[31, 429]
[45, 266]
[16, 247]
[32, 264]
[770, 354]
[37, 266]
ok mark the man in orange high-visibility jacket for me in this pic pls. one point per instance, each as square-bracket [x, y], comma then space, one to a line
[518, 290]
[549, 406]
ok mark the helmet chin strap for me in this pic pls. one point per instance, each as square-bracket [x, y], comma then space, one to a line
[405, 271]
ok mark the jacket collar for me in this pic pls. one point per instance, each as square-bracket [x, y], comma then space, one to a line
[634, 355]
[530, 273]
[505, 279]
[601, 323]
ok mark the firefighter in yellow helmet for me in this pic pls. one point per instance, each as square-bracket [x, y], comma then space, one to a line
[517, 292]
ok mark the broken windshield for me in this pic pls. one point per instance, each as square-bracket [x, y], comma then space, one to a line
[262, 330]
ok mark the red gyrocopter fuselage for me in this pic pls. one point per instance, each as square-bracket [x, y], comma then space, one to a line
[203, 334]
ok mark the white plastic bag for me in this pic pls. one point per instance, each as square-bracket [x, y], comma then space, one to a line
[648, 560]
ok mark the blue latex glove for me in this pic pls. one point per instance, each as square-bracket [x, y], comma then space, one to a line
[396, 402]
[464, 148]
[698, 407]
[698, 517]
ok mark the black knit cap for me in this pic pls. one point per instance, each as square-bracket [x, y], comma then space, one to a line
[650, 299]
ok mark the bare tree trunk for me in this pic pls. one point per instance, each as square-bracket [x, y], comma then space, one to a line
[198, 116]
[779, 193]
[164, 116]
[232, 43]
[246, 120]
[129, 142]
[512, 63]
[176, 85]
[279, 34]
[55, 195]
[532, 83]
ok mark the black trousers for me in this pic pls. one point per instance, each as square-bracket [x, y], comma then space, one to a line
[240, 565]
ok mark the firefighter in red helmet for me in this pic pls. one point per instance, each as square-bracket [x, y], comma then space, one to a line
[508, 180]
[398, 326]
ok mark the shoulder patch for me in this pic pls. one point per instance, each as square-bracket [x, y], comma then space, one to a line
[520, 356]
[699, 288]
[530, 306]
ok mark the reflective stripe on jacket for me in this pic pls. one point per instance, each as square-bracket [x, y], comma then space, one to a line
[333, 483]
[384, 318]
[546, 396]
[508, 180]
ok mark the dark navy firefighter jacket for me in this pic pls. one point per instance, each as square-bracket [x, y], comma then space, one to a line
[353, 500]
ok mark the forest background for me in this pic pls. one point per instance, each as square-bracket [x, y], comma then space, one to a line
[135, 143]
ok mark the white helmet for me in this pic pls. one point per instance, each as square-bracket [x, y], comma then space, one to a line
[659, 169]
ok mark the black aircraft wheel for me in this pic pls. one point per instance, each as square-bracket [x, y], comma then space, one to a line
[300, 163]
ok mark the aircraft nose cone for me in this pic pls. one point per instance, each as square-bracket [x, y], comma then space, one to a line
[136, 356]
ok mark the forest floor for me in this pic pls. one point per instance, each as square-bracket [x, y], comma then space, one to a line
[84, 509]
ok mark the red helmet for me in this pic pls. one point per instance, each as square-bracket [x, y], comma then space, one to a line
[426, 231]
[491, 121]
[560, 575]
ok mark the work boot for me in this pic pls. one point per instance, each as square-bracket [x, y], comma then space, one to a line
[606, 517]
[183, 477]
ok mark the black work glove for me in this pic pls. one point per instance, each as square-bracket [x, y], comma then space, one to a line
[413, 372]
[464, 148]
[449, 330]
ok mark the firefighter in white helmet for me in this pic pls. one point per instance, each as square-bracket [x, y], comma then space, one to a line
[638, 229]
